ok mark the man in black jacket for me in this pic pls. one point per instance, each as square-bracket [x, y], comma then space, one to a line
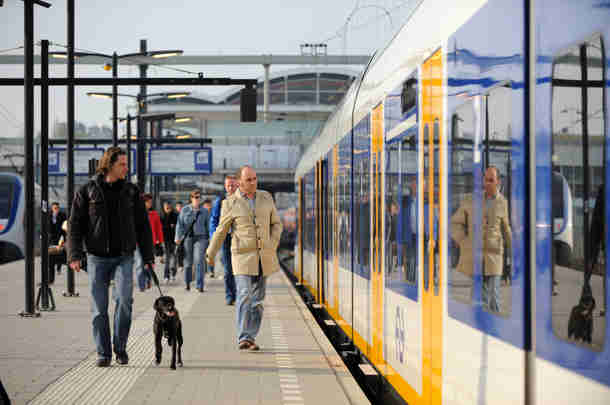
[169, 217]
[56, 219]
[109, 218]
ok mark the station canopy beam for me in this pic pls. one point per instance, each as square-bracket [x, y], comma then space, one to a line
[149, 81]
[185, 60]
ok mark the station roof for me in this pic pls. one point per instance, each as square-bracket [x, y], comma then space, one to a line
[309, 93]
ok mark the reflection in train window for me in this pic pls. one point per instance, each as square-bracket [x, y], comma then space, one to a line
[496, 230]
[577, 189]
[401, 212]
[460, 204]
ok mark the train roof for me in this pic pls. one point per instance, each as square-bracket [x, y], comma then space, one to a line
[425, 30]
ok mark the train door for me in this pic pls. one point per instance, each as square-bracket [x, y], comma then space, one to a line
[432, 145]
[377, 237]
[321, 229]
[300, 228]
[571, 192]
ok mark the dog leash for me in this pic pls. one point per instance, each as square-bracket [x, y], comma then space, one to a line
[153, 275]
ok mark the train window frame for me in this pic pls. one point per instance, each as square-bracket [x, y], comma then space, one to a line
[583, 169]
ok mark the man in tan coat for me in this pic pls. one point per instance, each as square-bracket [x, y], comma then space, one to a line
[256, 228]
[496, 233]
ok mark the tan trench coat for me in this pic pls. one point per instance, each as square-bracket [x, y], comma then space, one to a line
[255, 236]
[496, 231]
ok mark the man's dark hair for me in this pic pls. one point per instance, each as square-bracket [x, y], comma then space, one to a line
[111, 156]
[179, 202]
[54, 203]
[207, 201]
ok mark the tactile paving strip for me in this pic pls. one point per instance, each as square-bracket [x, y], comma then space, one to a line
[88, 384]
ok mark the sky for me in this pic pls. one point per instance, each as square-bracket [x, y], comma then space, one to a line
[228, 27]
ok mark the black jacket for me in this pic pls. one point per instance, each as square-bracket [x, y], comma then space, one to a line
[89, 222]
[55, 231]
[169, 226]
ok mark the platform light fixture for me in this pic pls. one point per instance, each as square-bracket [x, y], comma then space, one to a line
[164, 94]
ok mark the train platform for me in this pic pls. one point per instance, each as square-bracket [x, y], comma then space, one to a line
[51, 359]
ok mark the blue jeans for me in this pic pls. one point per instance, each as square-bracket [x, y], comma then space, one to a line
[225, 258]
[143, 276]
[250, 297]
[490, 293]
[170, 261]
[194, 255]
[101, 271]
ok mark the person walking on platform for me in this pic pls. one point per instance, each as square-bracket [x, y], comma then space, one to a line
[109, 217]
[256, 229]
[179, 253]
[207, 204]
[56, 220]
[144, 281]
[231, 185]
[192, 230]
[169, 218]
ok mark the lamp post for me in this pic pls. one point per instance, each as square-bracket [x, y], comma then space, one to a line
[141, 103]
[115, 62]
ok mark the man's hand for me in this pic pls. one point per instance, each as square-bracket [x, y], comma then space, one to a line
[209, 260]
[178, 241]
[75, 265]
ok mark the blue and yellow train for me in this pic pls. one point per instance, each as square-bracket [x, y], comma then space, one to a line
[518, 85]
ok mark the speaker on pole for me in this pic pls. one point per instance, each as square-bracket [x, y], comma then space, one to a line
[248, 105]
[92, 167]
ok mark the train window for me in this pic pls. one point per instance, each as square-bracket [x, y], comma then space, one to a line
[6, 197]
[460, 203]
[401, 219]
[577, 188]
[496, 230]
[392, 190]
[408, 98]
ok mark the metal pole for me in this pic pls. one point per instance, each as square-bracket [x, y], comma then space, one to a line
[129, 145]
[70, 144]
[44, 174]
[28, 12]
[140, 150]
[141, 159]
[266, 94]
[115, 102]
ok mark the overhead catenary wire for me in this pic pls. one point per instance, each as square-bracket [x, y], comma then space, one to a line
[10, 49]
[341, 32]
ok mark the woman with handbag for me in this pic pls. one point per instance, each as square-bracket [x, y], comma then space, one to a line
[192, 236]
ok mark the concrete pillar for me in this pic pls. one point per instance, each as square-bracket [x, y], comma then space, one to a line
[266, 94]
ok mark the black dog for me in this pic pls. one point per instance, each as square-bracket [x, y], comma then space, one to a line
[580, 324]
[167, 323]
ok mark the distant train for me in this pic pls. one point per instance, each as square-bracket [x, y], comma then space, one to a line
[12, 212]
[521, 86]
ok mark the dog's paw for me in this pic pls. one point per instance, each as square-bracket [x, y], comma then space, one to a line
[173, 366]
[157, 361]
[180, 364]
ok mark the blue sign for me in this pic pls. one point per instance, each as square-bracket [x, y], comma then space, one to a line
[194, 160]
[53, 161]
[58, 160]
